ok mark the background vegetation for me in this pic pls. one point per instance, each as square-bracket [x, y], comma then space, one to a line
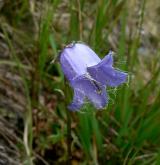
[33, 118]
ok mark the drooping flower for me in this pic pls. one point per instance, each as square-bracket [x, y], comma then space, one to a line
[89, 75]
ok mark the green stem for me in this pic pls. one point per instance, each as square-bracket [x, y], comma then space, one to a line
[69, 138]
[69, 157]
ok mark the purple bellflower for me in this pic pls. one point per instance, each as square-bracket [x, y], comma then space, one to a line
[89, 75]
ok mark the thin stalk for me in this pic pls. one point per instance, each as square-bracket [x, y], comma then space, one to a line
[69, 138]
[69, 156]
[80, 20]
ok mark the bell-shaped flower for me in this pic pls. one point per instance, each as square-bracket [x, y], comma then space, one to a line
[89, 75]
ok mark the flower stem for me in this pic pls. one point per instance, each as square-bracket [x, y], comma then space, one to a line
[69, 156]
[69, 138]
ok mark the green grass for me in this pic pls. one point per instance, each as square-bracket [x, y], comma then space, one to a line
[127, 131]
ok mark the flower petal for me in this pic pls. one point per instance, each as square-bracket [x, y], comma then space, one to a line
[76, 58]
[107, 60]
[93, 90]
[78, 100]
[104, 73]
